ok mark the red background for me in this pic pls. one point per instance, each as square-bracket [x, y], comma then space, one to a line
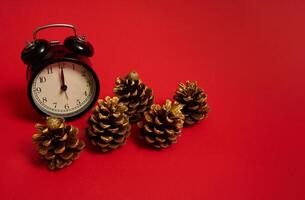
[247, 55]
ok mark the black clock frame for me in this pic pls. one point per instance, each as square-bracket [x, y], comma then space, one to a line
[59, 53]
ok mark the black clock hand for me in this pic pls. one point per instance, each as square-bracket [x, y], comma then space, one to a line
[63, 87]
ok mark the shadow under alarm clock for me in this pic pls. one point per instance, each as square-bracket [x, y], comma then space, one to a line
[61, 81]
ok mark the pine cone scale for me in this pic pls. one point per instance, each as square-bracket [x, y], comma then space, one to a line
[43, 151]
[149, 140]
[60, 149]
[49, 156]
[46, 143]
[106, 139]
[67, 155]
[119, 139]
[75, 155]
[81, 145]
[63, 138]
[147, 128]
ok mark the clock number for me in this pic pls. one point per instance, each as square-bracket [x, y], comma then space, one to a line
[66, 106]
[85, 93]
[44, 99]
[78, 102]
[55, 104]
[50, 70]
[83, 73]
[38, 90]
[73, 66]
[42, 79]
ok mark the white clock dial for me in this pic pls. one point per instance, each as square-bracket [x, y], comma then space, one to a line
[63, 89]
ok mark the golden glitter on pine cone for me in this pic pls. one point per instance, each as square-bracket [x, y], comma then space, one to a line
[162, 124]
[134, 94]
[57, 143]
[109, 124]
[194, 101]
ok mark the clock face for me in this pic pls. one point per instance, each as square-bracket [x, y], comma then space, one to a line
[64, 89]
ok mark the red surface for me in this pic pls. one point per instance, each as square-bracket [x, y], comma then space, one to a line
[247, 55]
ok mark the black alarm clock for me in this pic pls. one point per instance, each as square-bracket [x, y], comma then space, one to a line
[61, 81]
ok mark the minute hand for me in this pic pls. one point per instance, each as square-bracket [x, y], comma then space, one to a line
[62, 76]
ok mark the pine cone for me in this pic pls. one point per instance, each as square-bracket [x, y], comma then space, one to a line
[134, 94]
[108, 125]
[194, 101]
[57, 143]
[162, 124]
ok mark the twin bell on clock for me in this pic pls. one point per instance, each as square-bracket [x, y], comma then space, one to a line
[61, 81]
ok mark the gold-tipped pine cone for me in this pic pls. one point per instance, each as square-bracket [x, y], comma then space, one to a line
[57, 143]
[194, 101]
[162, 125]
[108, 125]
[134, 94]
